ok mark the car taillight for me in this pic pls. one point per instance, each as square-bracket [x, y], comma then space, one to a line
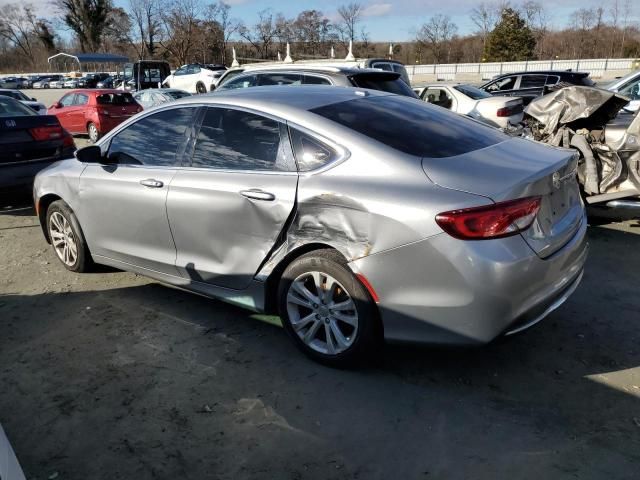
[41, 134]
[509, 110]
[67, 140]
[492, 221]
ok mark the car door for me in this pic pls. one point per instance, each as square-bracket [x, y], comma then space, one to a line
[122, 207]
[77, 112]
[228, 207]
[65, 111]
[531, 86]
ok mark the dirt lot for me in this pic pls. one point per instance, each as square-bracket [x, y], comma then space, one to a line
[112, 376]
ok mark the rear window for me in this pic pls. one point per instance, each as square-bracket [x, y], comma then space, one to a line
[12, 108]
[386, 83]
[472, 92]
[115, 99]
[412, 127]
[177, 94]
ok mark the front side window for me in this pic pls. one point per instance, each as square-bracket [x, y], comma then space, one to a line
[237, 140]
[81, 99]
[411, 127]
[240, 82]
[153, 140]
[632, 90]
[310, 152]
[180, 71]
[67, 100]
[508, 83]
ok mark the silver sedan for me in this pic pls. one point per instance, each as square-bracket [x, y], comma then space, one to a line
[353, 214]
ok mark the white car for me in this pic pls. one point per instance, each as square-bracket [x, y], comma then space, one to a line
[45, 82]
[57, 83]
[629, 86]
[195, 77]
[467, 100]
[22, 98]
[70, 82]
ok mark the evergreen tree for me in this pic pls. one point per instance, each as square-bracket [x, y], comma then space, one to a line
[511, 39]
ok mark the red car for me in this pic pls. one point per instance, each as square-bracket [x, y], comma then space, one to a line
[94, 111]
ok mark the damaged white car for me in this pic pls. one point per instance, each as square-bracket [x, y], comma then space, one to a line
[593, 122]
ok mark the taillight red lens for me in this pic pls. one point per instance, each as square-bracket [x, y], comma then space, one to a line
[67, 140]
[41, 134]
[492, 221]
[509, 110]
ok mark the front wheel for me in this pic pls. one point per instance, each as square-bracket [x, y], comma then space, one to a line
[200, 88]
[94, 134]
[326, 310]
[67, 239]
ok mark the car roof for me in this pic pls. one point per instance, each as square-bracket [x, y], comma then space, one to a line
[545, 72]
[328, 69]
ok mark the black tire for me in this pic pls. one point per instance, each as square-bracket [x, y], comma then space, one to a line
[83, 261]
[200, 88]
[367, 336]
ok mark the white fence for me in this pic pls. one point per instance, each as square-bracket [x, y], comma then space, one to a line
[598, 68]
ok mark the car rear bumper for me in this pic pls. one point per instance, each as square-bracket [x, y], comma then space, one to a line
[20, 175]
[447, 291]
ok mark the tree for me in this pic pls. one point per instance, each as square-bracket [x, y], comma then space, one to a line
[220, 13]
[180, 22]
[117, 33]
[88, 19]
[436, 35]
[511, 40]
[262, 34]
[314, 31]
[17, 28]
[484, 17]
[146, 20]
[350, 16]
[537, 19]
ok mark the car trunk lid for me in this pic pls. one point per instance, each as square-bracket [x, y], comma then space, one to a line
[520, 168]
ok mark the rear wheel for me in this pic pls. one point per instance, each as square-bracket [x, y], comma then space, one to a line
[94, 134]
[326, 310]
[200, 88]
[66, 238]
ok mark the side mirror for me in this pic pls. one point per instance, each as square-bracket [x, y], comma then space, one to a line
[33, 99]
[56, 105]
[93, 154]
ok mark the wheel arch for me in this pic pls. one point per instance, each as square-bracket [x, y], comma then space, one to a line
[273, 280]
[42, 206]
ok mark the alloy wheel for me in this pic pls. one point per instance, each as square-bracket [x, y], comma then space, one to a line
[322, 313]
[63, 239]
[93, 133]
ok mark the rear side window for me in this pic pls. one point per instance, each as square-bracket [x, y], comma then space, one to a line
[313, 80]
[533, 81]
[383, 66]
[384, 82]
[237, 140]
[280, 79]
[81, 99]
[115, 99]
[153, 140]
[310, 152]
[412, 127]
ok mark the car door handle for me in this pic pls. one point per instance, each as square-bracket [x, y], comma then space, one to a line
[151, 183]
[256, 194]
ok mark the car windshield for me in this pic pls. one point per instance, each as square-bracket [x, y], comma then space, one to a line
[176, 94]
[472, 92]
[115, 99]
[12, 108]
[411, 127]
[384, 82]
[14, 94]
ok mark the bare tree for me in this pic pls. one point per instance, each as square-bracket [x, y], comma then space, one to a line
[220, 12]
[180, 23]
[437, 34]
[484, 16]
[147, 24]
[350, 16]
[537, 19]
[262, 35]
[17, 28]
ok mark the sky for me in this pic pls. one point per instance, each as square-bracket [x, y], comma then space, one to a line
[384, 20]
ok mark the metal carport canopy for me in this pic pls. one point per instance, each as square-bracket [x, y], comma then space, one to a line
[92, 57]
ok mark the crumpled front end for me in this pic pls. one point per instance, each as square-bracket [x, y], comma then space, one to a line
[589, 120]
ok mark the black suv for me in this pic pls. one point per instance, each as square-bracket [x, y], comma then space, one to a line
[91, 80]
[375, 79]
[530, 85]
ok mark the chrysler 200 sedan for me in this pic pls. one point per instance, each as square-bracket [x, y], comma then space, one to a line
[355, 215]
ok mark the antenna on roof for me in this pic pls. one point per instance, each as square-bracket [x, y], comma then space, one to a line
[288, 58]
[235, 60]
[350, 53]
